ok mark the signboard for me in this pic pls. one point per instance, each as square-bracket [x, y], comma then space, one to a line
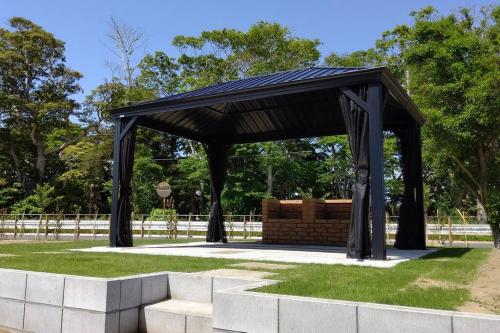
[163, 190]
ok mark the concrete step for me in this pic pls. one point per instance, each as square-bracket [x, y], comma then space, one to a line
[176, 316]
[4, 329]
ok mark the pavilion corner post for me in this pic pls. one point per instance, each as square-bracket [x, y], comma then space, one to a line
[377, 192]
[411, 223]
[217, 155]
[120, 232]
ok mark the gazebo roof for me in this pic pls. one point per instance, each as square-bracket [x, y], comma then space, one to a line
[292, 104]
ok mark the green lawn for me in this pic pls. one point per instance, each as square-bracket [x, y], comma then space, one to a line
[439, 280]
[37, 257]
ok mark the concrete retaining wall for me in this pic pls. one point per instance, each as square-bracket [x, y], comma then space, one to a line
[43, 302]
[242, 311]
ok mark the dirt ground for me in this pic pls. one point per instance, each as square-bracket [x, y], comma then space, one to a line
[485, 290]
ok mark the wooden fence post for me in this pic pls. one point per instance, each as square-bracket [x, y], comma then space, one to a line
[38, 227]
[464, 222]
[387, 222]
[2, 226]
[21, 231]
[15, 226]
[189, 226]
[94, 226]
[250, 225]
[244, 227]
[58, 228]
[450, 236]
[142, 226]
[78, 225]
[109, 224]
[46, 226]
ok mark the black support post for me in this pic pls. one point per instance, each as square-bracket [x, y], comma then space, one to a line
[116, 184]
[376, 139]
[120, 231]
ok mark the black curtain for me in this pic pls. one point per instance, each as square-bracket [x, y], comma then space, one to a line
[411, 224]
[217, 166]
[127, 150]
[357, 123]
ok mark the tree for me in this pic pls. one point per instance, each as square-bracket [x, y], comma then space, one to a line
[87, 168]
[126, 40]
[158, 72]
[337, 172]
[455, 78]
[35, 90]
[228, 54]
[147, 174]
[42, 200]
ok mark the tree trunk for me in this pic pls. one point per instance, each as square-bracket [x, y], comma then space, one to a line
[495, 230]
[40, 161]
[270, 179]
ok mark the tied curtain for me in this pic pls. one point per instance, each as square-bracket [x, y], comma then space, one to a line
[217, 155]
[411, 223]
[357, 127]
[127, 150]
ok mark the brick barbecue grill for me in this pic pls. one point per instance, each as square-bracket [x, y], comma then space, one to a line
[307, 221]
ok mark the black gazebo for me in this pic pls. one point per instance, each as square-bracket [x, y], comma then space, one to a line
[309, 102]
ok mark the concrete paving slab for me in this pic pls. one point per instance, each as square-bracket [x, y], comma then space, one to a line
[262, 265]
[329, 255]
[237, 273]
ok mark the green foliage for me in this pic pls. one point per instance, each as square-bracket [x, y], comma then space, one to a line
[454, 78]
[160, 214]
[35, 91]
[8, 194]
[42, 200]
[448, 64]
[147, 174]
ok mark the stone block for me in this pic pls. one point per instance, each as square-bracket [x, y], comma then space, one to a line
[83, 321]
[129, 320]
[154, 288]
[12, 313]
[307, 315]
[223, 283]
[380, 318]
[198, 324]
[45, 288]
[42, 318]
[153, 321]
[245, 312]
[92, 294]
[130, 293]
[12, 284]
[469, 323]
[190, 287]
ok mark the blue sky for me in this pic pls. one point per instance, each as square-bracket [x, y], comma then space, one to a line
[342, 26]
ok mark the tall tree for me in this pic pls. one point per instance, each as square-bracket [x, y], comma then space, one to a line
[126, 41]
[455, 78]
[35, 96]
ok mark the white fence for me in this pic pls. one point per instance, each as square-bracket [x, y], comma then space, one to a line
[43, 226]
[56, 226]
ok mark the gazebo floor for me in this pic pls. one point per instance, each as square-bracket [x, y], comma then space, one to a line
[256, 251]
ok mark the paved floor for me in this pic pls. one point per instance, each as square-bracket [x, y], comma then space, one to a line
[258, 251]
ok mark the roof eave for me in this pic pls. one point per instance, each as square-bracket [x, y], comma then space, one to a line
[401, 96]
[344, 79]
